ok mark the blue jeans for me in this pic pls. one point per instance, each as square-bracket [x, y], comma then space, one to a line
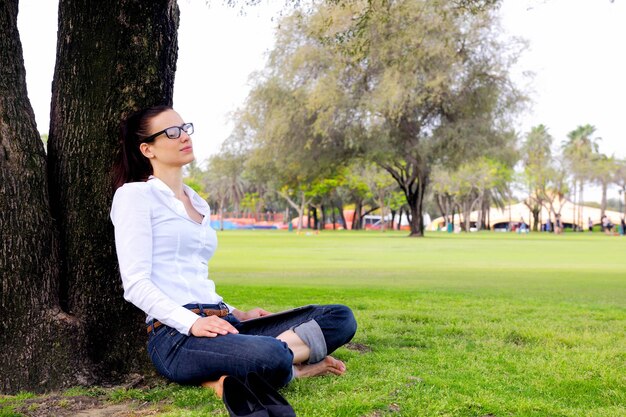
[192, 360]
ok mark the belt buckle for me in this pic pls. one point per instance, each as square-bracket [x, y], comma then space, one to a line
[222, 306]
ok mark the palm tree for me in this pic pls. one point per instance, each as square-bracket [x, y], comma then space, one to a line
[579, 150]
[620, 180]
[604, 172]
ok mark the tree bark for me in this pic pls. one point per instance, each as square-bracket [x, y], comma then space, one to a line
[37, 339]
[65, 321]
[416, 204]
[112, 58]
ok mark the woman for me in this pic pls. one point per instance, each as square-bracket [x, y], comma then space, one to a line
[164, 241]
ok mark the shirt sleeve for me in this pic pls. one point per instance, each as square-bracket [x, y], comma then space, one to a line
[131, 216]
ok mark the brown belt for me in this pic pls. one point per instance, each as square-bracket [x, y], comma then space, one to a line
[207, 312]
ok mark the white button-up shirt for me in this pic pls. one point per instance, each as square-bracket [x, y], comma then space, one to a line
[163, 254]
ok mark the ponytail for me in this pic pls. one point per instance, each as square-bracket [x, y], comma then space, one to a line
[131, 165]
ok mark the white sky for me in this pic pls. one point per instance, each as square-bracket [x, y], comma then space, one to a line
[577, 52]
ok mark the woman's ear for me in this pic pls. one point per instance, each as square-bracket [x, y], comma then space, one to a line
[145, 150]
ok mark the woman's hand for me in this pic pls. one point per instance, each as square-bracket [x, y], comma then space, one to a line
[211, 326]
[251, 314]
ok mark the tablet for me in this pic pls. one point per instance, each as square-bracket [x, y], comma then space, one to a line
[280, 313]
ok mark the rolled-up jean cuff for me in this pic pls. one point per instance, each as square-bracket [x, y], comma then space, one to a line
[311, 334]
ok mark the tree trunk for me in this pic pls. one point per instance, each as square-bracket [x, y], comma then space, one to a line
[381, 203]
[479, 214]
[603, 200]
[64, 318]
[416, 204]
[313, 211]
[299, 208]
[580, 208]
[485, 213]
[356, 219]
[37, 339]
[341, 215]
[536, 211]
[438, 199]
[413, 181]
[467, 210]
[111, 59]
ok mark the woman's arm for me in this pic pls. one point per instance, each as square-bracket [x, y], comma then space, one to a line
[251, 314]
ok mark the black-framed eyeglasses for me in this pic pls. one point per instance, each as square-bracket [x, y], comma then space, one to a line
[172, 132]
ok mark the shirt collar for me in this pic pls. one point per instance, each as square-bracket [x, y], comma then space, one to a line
[198, 202]
[160, 185]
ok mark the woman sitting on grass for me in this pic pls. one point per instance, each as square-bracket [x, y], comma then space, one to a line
[164, 242]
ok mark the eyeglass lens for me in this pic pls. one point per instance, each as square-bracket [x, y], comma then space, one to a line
[175, 131]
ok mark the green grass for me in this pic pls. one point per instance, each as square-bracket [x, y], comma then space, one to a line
[459, 325]
[487, 324]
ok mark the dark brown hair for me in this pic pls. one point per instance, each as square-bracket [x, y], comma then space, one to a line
[131, 165]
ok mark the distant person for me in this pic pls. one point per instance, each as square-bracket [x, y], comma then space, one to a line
[164, 241]
[548, 225]
[590, 224]
[558, 227]
[607, 225]
[622, 230]
[522, 226]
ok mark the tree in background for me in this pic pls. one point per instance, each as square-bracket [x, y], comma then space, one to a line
[443, 188]
[286, 135]
[469, 186]
[555, 191]
[620, 181]
[381, 186]
[224, 181]
[403, 84]
[536, 158]
[194, 178]
[355, 190]
[580, 149]
[603, 171]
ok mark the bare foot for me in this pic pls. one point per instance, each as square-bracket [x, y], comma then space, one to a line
[217, 386]
[328, 365]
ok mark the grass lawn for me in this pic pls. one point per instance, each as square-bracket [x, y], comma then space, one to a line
[488, 324]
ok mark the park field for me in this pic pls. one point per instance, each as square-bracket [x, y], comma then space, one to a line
[489, 324]
[483, 324]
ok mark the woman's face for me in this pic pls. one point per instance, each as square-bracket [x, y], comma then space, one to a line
[164, 152]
